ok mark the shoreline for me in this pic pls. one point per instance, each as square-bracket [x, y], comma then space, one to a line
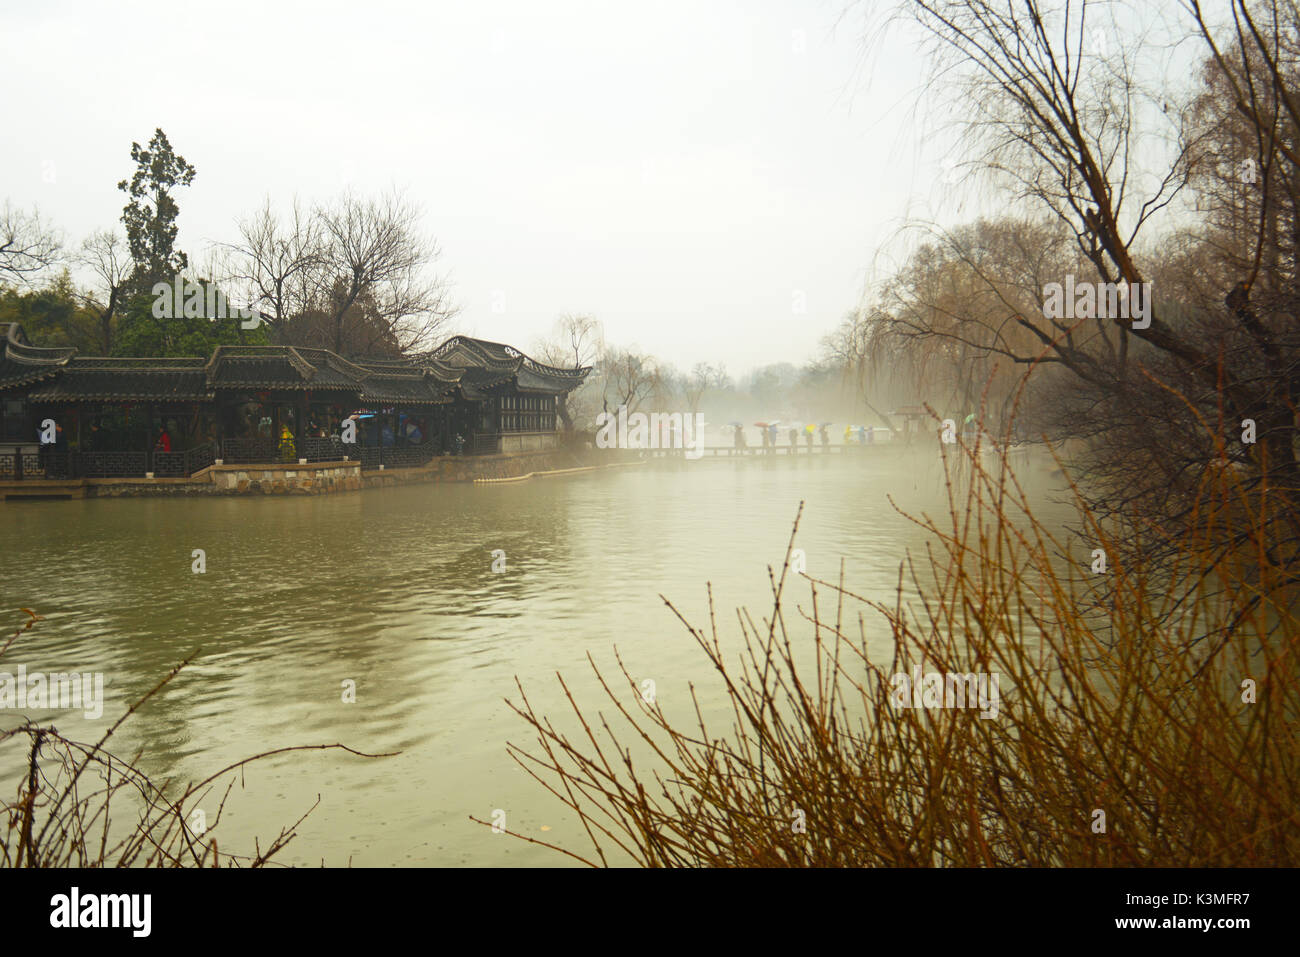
[326, 478]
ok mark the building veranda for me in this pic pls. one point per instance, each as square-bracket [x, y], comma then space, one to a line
[63, 415]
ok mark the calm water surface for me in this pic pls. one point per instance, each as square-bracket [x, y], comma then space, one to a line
[394, 590]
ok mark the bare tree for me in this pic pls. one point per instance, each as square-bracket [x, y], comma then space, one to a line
[276, 264]
[864, 353]
[373, 248]
[28, 244]
[1076, 131]
[704, 376]
[960, 321]
[577, 343]
[1059, 123]
[628, 378]
[106, 255]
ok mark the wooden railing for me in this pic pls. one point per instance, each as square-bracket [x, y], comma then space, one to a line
[262, 451]
[394, 457]
[52, 464]
[16, 464]
[408, 456]
[329, 449]
[181, 464]
[249, 451]
[100, 464]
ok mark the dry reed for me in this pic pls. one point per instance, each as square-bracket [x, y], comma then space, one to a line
[1148, 714]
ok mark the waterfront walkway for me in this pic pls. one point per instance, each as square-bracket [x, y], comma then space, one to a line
[723, 451]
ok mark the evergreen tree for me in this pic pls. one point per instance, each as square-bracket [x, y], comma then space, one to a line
[150, 216]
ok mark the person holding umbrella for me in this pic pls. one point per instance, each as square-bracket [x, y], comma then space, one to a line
[288, 453]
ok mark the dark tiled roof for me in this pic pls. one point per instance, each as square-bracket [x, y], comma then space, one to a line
[258, 367]
[479, 383]
[330, 371]
[90, 379]
[475, 366]
[441, 377]
[392, 380]
[435, 368]
[22, 363]
[464, 352]
[534, 376]
[399, 389]
[537, 380]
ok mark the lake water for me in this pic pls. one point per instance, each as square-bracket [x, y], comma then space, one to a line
[394, 589]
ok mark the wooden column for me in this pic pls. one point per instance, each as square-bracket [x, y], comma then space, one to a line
[149, 439]
[220, 406]
[81, 442]
[304, 405]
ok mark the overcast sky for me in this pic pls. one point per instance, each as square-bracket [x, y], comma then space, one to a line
[687, 172]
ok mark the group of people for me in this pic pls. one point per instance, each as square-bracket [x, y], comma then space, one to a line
[770, 435]
[250, 421]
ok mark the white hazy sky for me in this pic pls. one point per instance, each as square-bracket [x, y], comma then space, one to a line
[685, 171]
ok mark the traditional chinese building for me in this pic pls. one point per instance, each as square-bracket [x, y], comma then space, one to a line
[62, 414]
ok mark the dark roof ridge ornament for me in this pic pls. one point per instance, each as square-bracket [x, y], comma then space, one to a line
[14, 333]
[300, 364]
[18, 348]
[485, 349]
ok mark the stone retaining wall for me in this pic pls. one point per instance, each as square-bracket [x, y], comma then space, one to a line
[316, 478]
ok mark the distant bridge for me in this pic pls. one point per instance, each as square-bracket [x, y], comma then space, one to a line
[759, 451]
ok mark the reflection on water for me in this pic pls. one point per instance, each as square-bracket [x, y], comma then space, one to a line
[394, 590]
